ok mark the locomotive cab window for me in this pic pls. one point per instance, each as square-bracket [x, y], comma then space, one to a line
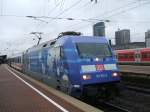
[93, 50]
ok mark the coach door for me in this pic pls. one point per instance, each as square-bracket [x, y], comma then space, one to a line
[59, 60]
[137, 56]
[56, 65]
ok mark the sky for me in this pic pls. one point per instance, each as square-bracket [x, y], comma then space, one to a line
[15, 26]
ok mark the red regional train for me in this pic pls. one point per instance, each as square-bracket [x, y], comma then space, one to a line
[133, 56]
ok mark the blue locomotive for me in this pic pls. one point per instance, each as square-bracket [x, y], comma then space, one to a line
[78, 65]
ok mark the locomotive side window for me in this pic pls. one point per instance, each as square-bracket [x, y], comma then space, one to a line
[61, 53]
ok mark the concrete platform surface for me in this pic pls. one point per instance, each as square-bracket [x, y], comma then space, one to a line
[135, 69]
[20, 93]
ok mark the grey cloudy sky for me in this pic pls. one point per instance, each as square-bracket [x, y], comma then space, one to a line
[15, 27]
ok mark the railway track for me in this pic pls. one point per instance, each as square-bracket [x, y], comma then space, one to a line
[114, 108]
[106, 106]
[137, 74]
[138, 89]
[134, 98]
[136, 81]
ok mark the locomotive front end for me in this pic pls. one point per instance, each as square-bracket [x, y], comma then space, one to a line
[97, 67]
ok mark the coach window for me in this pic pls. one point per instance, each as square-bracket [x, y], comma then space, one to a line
[148, 54]
[126, 55]
[120, 56]
[144, 55]
[130, 56]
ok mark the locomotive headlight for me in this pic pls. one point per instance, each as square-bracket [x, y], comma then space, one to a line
[86, 77]
[115, 74]
[96, 59]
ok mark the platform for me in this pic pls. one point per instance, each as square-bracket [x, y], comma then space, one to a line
[145, 70]
[20, 93]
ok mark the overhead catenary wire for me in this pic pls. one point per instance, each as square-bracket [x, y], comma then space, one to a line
[129, 9]
[62, 4]
[67, 9]
[108, 12]
[47, 17]
[121, 12]
[54, 18]
[89, 18]
[132, 21]
[18, 16]
[75, 4]
[1, 12]
[53, 9]
[80, 19]
[116, 9]
[86, 4]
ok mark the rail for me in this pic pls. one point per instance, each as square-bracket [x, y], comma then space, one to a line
[139, 89]
[140, 74]
[115, 108]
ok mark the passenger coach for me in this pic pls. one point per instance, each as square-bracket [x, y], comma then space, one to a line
[133, 56]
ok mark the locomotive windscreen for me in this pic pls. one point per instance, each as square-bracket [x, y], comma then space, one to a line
[93, 50]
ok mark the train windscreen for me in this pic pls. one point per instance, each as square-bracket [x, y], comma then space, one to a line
[93, 50]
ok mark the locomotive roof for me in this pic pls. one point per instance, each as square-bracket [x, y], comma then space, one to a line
[63, 39]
